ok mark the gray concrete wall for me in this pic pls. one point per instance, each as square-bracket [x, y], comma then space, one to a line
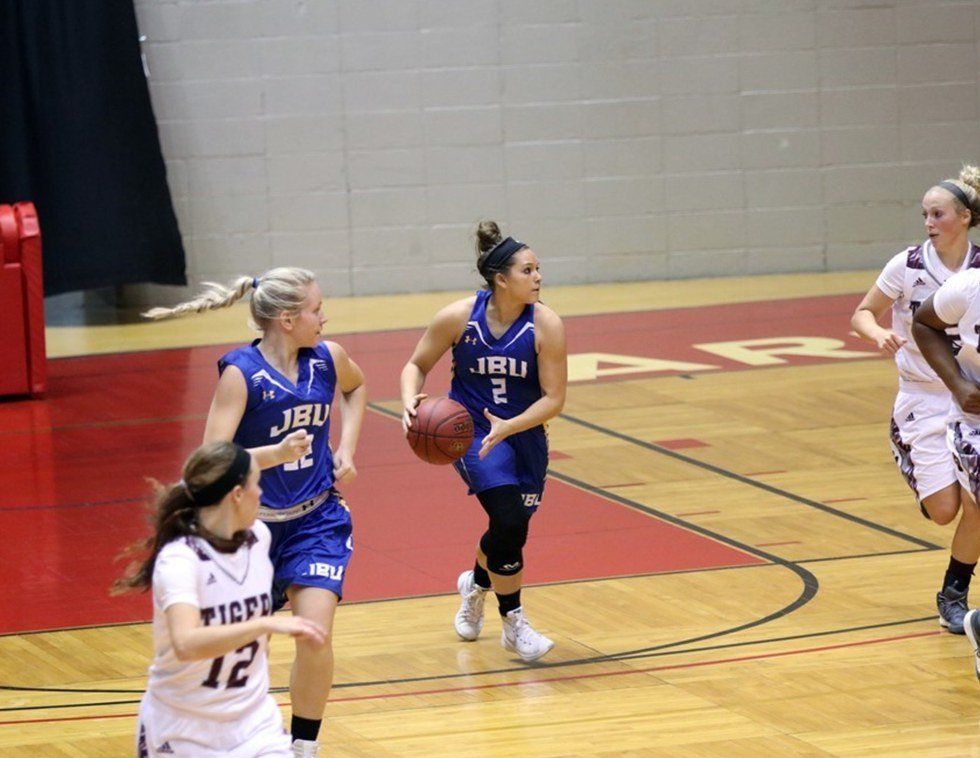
[623, 139]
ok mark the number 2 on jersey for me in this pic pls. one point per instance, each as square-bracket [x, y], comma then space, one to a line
[499, 390]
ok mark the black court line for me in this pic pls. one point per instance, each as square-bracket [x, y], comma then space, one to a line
[372, 601]
[863, 555]
[560, 583]
[750, 482]
[509, 670]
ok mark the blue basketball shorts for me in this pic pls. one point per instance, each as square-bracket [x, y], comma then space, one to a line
[521, 460]
[312, 550]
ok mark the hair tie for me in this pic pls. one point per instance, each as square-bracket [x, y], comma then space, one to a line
[187, 490]
[255, 282]
[498, 255]
[237, 473]
[958, 193]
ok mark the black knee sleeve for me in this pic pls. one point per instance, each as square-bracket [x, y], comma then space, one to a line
[504, 541]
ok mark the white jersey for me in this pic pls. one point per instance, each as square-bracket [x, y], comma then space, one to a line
[958, 302]
[226, 588]
[909, 278]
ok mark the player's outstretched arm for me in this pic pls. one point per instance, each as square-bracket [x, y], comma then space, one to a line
[353, 399]
[193, 641]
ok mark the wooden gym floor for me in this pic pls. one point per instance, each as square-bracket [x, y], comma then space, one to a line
[726, 557]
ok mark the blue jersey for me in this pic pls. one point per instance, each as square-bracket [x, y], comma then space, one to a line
[276, 407]
[499, 374]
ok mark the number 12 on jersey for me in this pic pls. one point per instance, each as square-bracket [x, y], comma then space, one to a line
[305, 462]
[236, 678]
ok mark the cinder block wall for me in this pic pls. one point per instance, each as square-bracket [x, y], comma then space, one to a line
[624, 139]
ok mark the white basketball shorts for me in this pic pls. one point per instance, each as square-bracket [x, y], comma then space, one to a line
[170, 733]
[918, 440]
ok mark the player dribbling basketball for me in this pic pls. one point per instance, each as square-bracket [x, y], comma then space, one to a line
[510, 373]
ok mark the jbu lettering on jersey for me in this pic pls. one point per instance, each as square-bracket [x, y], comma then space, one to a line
[302, 416]
[500, 365]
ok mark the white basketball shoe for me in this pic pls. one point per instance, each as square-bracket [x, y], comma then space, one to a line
[469, 617]
[521, 638]
[305, 748]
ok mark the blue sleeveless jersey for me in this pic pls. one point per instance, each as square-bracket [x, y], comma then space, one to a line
[276, 407]
[500, 375]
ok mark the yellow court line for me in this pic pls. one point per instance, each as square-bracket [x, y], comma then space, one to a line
[376, 313]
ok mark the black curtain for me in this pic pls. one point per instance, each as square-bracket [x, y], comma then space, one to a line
[78, 138]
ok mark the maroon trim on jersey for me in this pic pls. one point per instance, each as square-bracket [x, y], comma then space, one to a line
[916, 258]
[192, 544]
[973, 256]
[902, 453]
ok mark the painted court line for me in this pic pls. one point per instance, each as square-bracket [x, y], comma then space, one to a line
[548, 680]
[750, 482]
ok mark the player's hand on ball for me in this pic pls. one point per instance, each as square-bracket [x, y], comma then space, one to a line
[298, 627]
[410, 411]
[295, 445]
[344, 471]
[499, 429]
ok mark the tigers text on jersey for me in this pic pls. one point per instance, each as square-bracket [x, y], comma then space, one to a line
[499, 374]
[909, 278]
[958, 302]
[276, 407]
[226, 588]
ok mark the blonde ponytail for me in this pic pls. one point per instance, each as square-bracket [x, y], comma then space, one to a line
[214, 296]
[970, 179]
[277, 291]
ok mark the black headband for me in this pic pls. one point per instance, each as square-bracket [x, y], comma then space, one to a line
[499, 254]
[213, 493]
[957, 192]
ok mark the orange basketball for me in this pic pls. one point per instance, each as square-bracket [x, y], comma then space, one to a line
[441, 431]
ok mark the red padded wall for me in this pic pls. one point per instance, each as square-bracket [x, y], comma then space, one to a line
[22, 354]
[30, 261]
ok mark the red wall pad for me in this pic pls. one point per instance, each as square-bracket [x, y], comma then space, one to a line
[22, 355]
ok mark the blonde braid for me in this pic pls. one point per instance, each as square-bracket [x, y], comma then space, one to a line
[214, 296]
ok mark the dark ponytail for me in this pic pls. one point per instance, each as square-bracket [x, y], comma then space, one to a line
[488, 236]
[175, 515]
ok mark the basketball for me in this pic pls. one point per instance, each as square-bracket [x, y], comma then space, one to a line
[441, 432]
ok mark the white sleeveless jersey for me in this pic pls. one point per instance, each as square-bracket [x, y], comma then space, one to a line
[958, 302]
[909, 278]
[226, 588]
